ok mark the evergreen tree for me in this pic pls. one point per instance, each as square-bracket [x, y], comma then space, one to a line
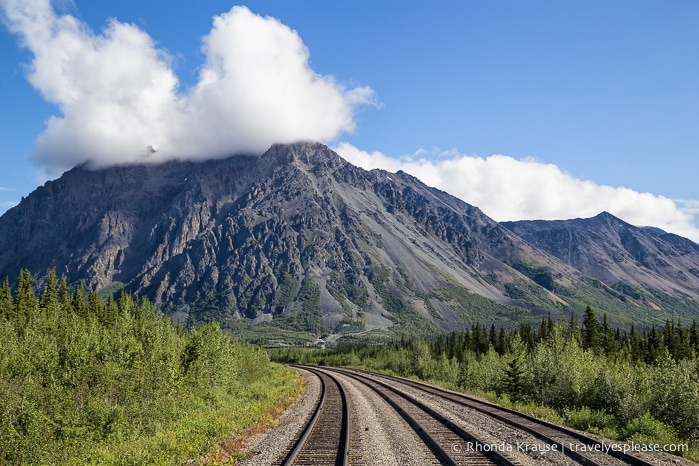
[480, 338]
[591, 330]
[527, 335]
[514, 379]
[550, 325]
[125, 303]
[6, 301]
[502, 347]
[694, 337]
[438, 346]
[573, 330]
[670, 337]
[514, 374]
[636, 345]
[111, 311]
[683, 349]
[25, 299]
[493, 336]
[49, 302]
[64, 294]
[465, 345]
[451, 345]
[95, 306]
[78, 301]
[544, 328]
[654, 346]
[611, 340]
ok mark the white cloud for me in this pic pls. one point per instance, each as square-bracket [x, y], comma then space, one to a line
[117, 93]
[509, 189]
[690, 207]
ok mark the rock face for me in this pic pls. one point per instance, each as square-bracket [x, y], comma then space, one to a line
[302, 238]
[616, 253]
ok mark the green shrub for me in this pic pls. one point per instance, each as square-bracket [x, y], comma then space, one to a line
[114, 383]
[592, 420]
[647, 430]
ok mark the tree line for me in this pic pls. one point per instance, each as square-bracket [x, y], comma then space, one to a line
[647, 345]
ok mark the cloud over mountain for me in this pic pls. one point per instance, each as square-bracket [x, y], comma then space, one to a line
[506, 188]
[118, 95]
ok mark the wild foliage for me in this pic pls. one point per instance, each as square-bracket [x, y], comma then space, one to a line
[84, 381]
[632, 386]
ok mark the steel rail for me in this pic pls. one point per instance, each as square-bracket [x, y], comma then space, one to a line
[303, 443]
[502, 414]
[493, 456]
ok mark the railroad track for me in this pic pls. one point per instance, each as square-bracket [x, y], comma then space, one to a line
[577, 446]
[325, 439]
[443, 437]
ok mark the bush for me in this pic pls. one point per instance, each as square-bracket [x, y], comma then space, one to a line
[647, 430]
[117, 384]
[675, 398]
[592, 420]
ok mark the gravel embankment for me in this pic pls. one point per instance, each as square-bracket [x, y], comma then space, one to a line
[495, 432]
[272, 446]
[379, 434]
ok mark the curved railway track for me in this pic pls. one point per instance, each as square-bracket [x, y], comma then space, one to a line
[428, 411]
[579, 447]
[437, 432]
[325, 439]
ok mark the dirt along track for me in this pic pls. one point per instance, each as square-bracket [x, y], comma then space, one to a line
[362, 418]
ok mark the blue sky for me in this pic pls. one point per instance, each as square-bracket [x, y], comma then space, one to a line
[538, 109]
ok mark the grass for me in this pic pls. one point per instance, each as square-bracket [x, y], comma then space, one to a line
[207, 430]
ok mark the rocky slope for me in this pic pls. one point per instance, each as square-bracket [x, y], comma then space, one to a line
[617, 253]
[303, 240]
[255, 237]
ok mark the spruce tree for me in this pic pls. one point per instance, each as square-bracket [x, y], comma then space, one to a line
[670, 338]
[683, 349]
[544, 328]
[111, 311]
[610, 338]
[7, 308]
[492, 337]
[78, 301]
[654, 345]
[502, 347]
[591, 330]
[694, 337]
[95, 306]
[451, 345]
[49, 300]
[25, 299]
[636, 345]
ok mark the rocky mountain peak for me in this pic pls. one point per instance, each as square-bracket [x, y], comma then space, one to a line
[613, 251]
[300, 240]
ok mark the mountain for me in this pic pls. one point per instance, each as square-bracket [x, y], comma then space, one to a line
[298, 240]
[618, 254]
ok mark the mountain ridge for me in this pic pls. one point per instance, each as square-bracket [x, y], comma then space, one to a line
[296, 237]
[613, 251]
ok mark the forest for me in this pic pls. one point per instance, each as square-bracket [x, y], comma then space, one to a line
[633, 386]
[91, 381]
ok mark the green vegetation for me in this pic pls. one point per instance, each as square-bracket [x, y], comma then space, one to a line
[626, 304]
[630, 386]
[88, 382]
[408, 321]
[540, 275]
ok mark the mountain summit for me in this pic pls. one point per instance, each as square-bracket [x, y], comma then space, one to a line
[297, 238]
[615, 252]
